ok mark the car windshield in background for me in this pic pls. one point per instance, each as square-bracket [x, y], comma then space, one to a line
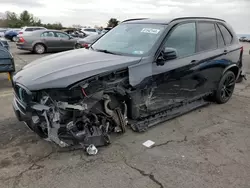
[130, 39]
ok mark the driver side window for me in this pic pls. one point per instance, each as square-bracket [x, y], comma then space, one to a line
[62, 35]
[183, 39]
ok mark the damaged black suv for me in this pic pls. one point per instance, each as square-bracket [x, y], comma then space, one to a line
[141, 73]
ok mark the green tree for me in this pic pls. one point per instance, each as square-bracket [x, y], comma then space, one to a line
[112, 22]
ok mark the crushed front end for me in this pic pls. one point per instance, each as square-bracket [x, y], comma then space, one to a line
[84, 115]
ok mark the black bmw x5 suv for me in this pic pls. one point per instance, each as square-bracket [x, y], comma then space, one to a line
[142, 72]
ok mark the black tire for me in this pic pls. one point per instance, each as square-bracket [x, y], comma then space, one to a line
[225, 88]
[78, 46]
[39, 48]
[14, 39]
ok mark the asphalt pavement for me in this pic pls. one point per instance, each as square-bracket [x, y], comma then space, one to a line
[205, 148]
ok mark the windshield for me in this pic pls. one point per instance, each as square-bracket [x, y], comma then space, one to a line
[130, 39]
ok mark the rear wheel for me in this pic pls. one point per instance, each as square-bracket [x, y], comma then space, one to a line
[39, 49]
[226, 87]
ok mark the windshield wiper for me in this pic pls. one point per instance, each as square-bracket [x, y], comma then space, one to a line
[105, 51]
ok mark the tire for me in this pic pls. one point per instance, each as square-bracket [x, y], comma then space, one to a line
[14, 39]
[225, 88]
[78, 46]
[39, 49]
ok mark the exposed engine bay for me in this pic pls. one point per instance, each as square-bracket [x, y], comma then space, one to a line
[85, 115]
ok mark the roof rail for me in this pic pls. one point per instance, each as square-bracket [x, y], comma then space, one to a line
[134, 19]
[208, 18]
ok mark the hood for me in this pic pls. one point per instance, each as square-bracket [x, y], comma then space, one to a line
[63, 69]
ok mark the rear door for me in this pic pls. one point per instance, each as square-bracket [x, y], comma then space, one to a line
[232, 49]
[66, 43]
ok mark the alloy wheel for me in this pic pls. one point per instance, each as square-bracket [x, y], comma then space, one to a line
[228, 87]
[39, 48]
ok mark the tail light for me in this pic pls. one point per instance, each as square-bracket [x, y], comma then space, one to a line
[20, 33]
[242, 49]
[21, 40]
[85, 45]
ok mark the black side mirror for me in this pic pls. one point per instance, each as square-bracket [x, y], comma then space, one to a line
[166, 55]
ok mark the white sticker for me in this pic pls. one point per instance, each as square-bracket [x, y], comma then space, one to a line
[150, 30]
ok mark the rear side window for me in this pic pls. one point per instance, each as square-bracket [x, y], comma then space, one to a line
[226, 34]
[29, 29]
[48, 34]
[220, 39]
[206, 36]
[183, 39]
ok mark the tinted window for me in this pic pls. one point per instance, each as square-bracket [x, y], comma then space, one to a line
[62, 35]
[183, 39]
[90, 30]
[48, 34]
[226, 34]
[220, 39]
[29, 29]
[206, 37]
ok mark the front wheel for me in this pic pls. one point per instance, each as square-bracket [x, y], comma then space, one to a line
[77, 46]
[226, 87]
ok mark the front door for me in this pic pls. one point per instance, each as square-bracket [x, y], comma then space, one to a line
[175, 81]
[66, 43]
[50, 40]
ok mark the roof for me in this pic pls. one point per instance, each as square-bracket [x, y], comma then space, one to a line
[167, 21]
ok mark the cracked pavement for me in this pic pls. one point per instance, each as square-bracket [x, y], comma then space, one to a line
[205, 148]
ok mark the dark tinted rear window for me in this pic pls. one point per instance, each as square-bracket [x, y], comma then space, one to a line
[29, 29]
[90, 30]
[206, 37]
[226, 34]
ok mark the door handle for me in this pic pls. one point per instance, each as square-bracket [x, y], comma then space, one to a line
[225, 52]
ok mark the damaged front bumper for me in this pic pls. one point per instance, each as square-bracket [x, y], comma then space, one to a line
[88, 130]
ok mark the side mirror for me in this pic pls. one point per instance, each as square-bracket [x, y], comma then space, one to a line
[166, 55]
[70, 37]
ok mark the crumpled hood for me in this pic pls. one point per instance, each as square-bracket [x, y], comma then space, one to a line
[63, 69]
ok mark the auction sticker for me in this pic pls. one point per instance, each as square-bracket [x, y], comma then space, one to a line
[150, 30]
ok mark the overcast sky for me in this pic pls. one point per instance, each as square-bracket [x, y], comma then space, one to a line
[98, 12]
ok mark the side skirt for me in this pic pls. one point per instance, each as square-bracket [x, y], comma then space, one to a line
[144, 124]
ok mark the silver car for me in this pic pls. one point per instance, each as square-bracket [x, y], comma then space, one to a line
[42, 41]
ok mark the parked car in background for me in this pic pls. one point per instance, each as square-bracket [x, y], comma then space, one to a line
[106, 29]
[139, 74]
[4, 43]
[42, 41]
[28, 29]
[12, 34]
[87, 41]
[7, 64]
[90, 31]
[2, 31]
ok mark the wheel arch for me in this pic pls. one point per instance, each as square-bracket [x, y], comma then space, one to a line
[234, 68]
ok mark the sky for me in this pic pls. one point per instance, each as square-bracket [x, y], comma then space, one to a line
[98, 12]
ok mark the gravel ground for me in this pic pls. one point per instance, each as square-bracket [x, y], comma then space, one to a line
[205, 148]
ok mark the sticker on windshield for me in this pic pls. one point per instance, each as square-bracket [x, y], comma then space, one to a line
[138, 52]
[150, 30]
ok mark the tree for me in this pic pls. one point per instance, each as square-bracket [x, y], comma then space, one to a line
[113, 22]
